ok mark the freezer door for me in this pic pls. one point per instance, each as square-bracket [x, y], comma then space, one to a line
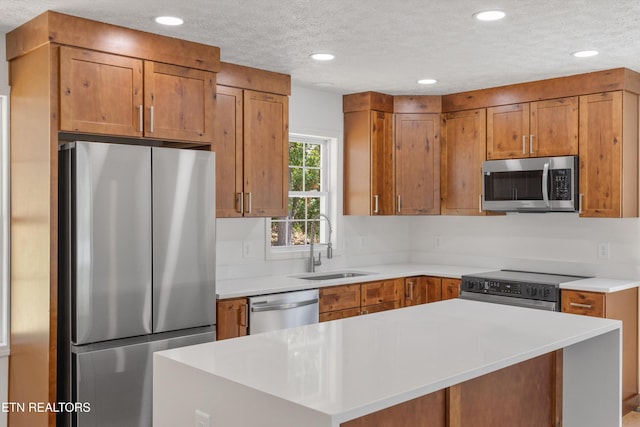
[117, 382]
[110, 292]
[183, 238]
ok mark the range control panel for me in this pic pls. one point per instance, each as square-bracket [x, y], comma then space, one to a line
[537, 291]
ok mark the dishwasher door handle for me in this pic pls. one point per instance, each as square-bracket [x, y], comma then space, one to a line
[285, 306]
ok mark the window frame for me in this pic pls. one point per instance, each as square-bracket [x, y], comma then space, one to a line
[327, 201]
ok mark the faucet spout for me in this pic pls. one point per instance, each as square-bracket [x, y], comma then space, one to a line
[312, 263]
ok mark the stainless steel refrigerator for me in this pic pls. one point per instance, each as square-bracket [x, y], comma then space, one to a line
[136, 272]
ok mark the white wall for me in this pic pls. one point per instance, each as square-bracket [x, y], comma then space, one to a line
[558, 242]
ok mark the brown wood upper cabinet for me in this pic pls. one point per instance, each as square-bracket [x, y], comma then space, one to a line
[417, 164]
[536, 129]
[103, 93]
[368, 163]
[464, 144]
[609, 155]
[251, 145]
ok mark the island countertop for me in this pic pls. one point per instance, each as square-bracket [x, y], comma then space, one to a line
[344, 369]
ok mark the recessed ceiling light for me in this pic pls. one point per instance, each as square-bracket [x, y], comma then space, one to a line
[322, 56]
[323, 84]
[585, 53]
[489, 15]
[427, 81]
[169, 20]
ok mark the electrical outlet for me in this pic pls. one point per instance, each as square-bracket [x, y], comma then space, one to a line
[246, 249]
[202, 419]
[604, 248]
[437, 240]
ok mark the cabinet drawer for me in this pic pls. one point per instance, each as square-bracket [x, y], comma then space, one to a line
[380, 307]
[339, 314]
[580, 302]
[339, 298]
[383, 291]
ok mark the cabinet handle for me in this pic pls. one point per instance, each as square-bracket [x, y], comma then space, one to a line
[480, 203]
[375, 203]
[240, 202]
[524, 143]
[140, 118]
[577, 304]
[248, 202]
[411, 291]
[151, 119]
[398, 203]
[531, 144]
[364, 312]
[243, 317]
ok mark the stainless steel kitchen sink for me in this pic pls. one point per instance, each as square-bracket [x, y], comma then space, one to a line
[333, 275]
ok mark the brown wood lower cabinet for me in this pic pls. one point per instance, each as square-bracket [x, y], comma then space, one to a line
[527, 394]
[450, 288]
[231, 318]
[621, 305]
[338, 302]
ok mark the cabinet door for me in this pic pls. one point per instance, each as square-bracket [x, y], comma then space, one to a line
[227, 144]
[464, 143]
[381, 163]
[231, 318]
[382, 291]
[434, 288]
[179, 102]
[450, 288]
[266, 154]
[554, 128]
[601, 154]
[417, 157]
[508, 131]
[100, 93]
[415, 291]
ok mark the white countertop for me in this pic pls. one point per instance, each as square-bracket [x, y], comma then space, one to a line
[600, 284]
[244, 287]
[351, 367]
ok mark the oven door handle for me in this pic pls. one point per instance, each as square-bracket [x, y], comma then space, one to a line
[545, 184]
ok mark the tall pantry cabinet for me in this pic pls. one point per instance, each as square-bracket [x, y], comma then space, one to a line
[63, 72]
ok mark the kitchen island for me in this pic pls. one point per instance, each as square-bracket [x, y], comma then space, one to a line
[451, 363]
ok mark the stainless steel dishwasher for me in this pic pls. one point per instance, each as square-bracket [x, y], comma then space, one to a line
[283, 310]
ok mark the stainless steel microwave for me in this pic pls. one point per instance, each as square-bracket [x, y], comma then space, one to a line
[543, 184]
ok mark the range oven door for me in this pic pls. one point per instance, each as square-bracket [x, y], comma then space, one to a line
[514, 301]
[544, 184]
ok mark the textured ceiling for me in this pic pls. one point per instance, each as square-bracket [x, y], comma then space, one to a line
[384, 45]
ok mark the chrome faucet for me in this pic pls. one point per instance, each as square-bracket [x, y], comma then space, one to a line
[312, 262]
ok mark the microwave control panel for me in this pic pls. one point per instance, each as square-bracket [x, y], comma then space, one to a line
[560, 184]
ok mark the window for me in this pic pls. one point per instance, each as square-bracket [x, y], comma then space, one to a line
[308, 207]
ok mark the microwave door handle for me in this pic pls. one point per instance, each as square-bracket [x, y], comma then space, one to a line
[545, 184]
